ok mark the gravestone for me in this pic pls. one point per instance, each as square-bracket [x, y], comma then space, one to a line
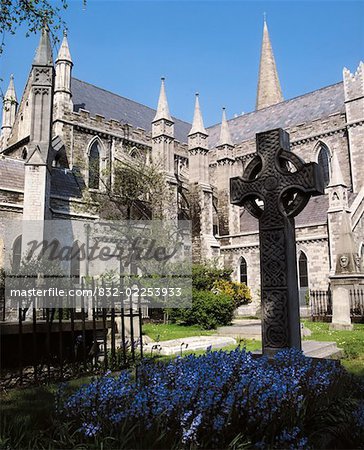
[275, 187]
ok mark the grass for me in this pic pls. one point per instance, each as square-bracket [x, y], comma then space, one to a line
[28, 414]
[163, 332]
[352, 343]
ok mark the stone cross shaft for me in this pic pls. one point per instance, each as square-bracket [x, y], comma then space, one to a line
[274, 188]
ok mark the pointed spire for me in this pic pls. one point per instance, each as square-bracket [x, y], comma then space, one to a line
[10, 93]
[64, 51]
[269, 88]
[225, 136]
[162, 110]
[43, 54]
[337, 178]
[197, 124]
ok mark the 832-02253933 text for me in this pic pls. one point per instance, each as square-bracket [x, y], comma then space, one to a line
[99, 292]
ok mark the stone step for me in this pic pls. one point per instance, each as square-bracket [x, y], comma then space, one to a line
[194, 343]
[319, 349]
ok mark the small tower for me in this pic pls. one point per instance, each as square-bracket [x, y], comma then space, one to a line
[62, 89]
[163, 134]
[198, 148]
[10, 104]
[354, 106]
[204, 245]
[37, 167]
[228, 213]
[269, 88]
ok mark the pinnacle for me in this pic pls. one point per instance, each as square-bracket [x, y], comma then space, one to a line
[225, 136]
[197, 124]
[43, 54]
[269, 88]
[64, 51]
[162, 109]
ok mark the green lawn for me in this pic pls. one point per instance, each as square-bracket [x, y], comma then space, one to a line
[27, 415]
[352, 343]
[163, 332]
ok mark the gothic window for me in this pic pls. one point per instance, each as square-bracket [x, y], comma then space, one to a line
[323, 160]
[302, 270]
[75, 261]
[24, 153]
[243, 271]
[16, 254]
[94, 166]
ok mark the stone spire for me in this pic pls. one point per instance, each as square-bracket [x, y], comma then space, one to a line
[225, 137]
[197, 124]
[64, 51]
[336, 174]
[198, 148]
[162, 109]
[62, 91]
[43, 54]
[163, 135]
[269, 88]
[10, 104]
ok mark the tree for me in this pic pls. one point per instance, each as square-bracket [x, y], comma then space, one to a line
[33, 14]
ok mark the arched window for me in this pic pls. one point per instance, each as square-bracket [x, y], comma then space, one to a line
[94, 166]
[16, 254]
[243, 271]
[302, 270]
[323, 160]
[75, 261]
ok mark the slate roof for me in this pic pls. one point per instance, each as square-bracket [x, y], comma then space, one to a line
[305, 108]
[63, 182]
[314, 213]
[113, 106]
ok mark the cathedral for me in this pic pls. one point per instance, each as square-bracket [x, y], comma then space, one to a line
[58, 140]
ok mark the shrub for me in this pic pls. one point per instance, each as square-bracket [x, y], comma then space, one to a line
[239, 292]
[204, 276]
[220, 400]
[209, 310]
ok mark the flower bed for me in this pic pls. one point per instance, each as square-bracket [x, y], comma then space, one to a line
[217, 400]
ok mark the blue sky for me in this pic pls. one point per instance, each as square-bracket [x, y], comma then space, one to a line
[212, 47]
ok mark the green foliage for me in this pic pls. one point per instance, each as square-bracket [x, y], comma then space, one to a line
[239, 292]
[32, 14]
[204, 276]
[208, 310]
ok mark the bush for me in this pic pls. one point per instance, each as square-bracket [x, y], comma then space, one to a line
[204, 276]
[208, 310]
[239, 292]
[220, 400]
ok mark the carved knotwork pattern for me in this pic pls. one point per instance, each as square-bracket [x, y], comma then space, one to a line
[273, 259]
[275, 324]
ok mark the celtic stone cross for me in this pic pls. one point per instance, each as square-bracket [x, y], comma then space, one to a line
[274, 188]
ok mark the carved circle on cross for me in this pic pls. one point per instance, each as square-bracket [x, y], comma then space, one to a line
[291, 199]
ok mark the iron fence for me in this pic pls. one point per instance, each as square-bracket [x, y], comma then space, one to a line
[43, 344]
[321, 305]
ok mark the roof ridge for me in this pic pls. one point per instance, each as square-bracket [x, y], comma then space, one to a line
[125, 98]
[276, 104]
